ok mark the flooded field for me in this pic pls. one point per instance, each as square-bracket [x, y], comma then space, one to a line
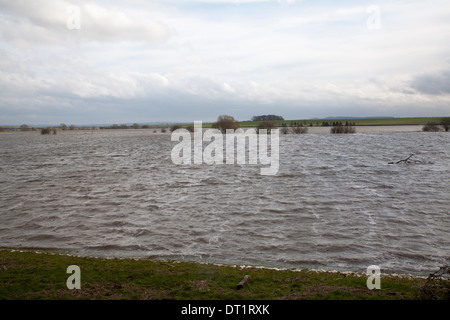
[336, 202]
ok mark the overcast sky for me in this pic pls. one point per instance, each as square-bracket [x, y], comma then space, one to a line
[90, 62]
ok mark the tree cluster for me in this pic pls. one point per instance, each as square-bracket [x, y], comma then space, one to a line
[266, 125]
[337, 123]
[339, 128]
[48, 130]
[225, 122]
[431, 127]
[444, 124]
[268, 117]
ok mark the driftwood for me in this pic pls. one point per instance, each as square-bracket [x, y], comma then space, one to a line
[243, 282]
[406, 160]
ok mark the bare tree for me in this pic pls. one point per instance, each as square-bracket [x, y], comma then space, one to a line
[284, 130]
[268, 125]
[445, 123]
[298, 128]
[175, 127]
[431, 127]
[225, 122]
[338, 128]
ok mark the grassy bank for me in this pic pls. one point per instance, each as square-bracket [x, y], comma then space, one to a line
[27, 275]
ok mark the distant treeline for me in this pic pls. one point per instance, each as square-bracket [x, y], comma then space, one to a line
[311, 124]
[337, 123]
[268, 117]
[430, 124]
[63, 127]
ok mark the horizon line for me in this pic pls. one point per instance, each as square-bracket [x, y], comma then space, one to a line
[207, 122]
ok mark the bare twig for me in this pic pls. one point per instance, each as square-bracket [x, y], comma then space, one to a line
[406, 160]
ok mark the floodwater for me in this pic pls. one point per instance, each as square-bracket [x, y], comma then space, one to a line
[336, 202]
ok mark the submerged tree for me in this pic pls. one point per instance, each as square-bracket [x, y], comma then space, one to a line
[267, 125]
[299, 128]
[48, 130]
[339, 128]
[225, 122]
[284, 130]
[431, 127]
[175, 127]
[445, 123]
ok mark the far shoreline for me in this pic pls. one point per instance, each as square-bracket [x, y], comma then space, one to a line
[325, 122]
[160, 131]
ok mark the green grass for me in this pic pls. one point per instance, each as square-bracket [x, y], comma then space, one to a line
[357, 122]
[30, 276]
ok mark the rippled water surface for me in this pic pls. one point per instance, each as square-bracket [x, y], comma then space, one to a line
[335, 203]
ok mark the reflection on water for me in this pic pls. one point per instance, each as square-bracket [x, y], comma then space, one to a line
[336, 203]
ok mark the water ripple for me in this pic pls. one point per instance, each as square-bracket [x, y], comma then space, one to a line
[336, 202]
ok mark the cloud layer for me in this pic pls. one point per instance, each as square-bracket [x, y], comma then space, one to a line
[186, 60]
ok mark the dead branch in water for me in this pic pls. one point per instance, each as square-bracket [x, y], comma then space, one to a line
[406, 160]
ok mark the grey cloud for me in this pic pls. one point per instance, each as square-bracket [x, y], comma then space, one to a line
[46, 21]
[433, 84]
